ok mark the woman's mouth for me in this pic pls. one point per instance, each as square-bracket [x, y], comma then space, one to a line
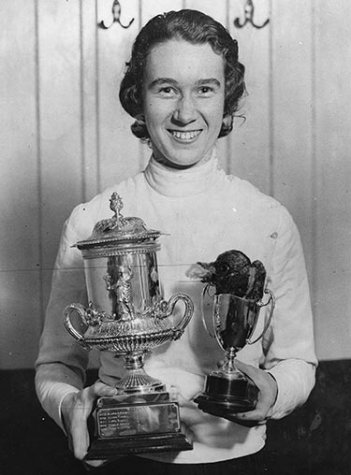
[185, 136]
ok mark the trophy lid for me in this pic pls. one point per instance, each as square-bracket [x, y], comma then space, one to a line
[118, 230]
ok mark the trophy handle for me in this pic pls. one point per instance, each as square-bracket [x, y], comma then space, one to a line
[271, 300]
[80, 309]
[188, 313]
[204, 291]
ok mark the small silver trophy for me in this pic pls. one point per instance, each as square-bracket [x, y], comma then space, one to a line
[128, 316]
[239, 289]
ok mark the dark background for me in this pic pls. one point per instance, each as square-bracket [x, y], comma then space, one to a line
[315, 439]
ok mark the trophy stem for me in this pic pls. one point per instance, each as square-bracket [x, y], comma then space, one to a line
[137, 381]
[134, 361]
[228, 365]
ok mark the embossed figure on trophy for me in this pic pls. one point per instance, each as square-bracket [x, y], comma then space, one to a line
[124, 293]
[121, 292]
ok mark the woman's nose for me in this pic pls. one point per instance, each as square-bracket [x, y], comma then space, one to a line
[185, 111]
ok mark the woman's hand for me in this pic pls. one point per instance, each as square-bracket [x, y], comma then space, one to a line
[75, 409]
[267, 395]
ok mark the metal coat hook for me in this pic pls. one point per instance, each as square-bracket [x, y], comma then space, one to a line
[116, 15]
[249, 14]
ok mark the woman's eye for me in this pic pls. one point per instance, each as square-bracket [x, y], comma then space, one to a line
[167, 91]
[205, 90]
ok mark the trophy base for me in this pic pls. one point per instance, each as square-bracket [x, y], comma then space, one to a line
[225, 396]
[109, 449]
[136, 424]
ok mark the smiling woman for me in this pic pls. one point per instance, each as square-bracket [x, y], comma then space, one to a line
[183, 85]
[183, 102]
[193, 28]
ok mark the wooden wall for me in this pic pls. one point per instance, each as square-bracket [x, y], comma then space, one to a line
[64, 137]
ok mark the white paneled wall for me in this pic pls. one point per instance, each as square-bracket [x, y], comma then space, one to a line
[64, 137]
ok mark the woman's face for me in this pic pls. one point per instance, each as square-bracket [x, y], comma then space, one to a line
[183, 99]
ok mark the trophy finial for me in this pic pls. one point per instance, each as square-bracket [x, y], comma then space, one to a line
[118, 229]
[116, 205]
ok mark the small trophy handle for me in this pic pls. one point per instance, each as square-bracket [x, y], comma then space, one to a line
[80, 309]
[271, 300]
[204, 290]
[189, 310]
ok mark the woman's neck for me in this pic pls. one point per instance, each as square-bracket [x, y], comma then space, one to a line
[173, 182]
[175, 167]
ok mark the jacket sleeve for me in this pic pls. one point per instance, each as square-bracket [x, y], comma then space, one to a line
[288, 344]
[61, 363]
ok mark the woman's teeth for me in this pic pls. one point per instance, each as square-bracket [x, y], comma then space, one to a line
[185, 135]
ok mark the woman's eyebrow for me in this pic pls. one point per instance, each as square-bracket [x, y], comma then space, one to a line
[200, 82]
[212, 81]
[161, 81]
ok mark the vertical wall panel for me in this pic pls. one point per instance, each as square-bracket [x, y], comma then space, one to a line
[19, 217]
[292, 114]
[333, 178]
[89, 99]
[218, 10]
[150, 8]
[60, 122]
[249, 142]
[119, 149]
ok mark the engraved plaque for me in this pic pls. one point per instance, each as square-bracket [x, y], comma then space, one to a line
[124, 420]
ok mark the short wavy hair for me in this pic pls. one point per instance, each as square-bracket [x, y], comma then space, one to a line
[196, 28]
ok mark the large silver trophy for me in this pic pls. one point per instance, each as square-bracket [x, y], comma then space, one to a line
[127, 315]
[237, 301]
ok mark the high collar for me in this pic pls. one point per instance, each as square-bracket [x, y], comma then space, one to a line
[181, 183]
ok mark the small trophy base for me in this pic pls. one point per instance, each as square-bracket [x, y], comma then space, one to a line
[136, 424]
[225, 396]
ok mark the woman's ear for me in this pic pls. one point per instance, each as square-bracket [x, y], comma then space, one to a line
[227, 121]
[227, 125]
[139, 128]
